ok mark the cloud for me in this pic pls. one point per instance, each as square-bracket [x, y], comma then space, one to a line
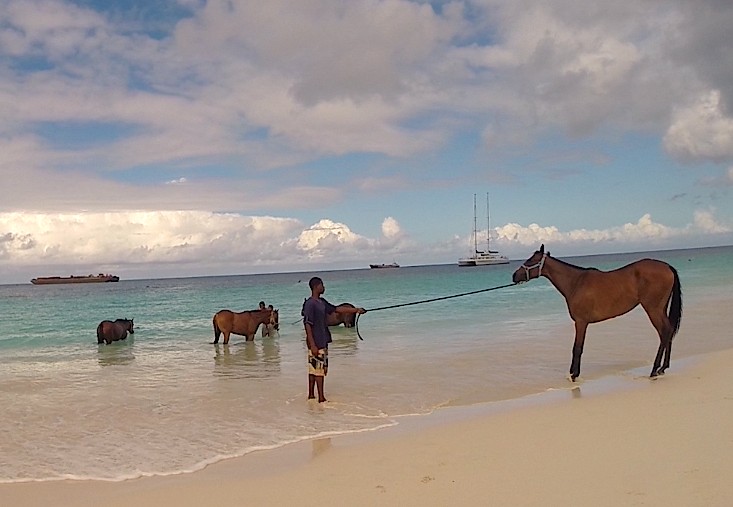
[706, 222]
[645, 233]
[391, 228]
[141, 237]
[234, 243]
[327, 236]
[701, 131]
[240, 85]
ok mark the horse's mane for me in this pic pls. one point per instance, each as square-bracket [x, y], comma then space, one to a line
[564, 263]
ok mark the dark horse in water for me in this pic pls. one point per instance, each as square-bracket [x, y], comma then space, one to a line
[595, 296]
[242, 323]
[336, 318]
[108, 331]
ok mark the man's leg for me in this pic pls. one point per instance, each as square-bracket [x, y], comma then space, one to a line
[319, 384]
[311, 387]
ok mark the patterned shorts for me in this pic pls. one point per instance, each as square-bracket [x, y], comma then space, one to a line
[318, 365]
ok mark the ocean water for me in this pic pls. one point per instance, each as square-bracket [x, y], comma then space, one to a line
[167, 401]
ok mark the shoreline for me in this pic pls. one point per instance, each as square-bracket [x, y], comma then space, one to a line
[621, 439]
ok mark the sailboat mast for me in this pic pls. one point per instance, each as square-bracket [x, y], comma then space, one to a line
[488, 226]
[475, 243]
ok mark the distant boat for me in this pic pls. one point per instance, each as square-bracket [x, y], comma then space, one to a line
[384, 266]
[480, 257]
[53, 280]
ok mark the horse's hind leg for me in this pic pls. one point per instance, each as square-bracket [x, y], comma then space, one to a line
[217, 332]
[664, 330]
[658, 359]
[580, 329]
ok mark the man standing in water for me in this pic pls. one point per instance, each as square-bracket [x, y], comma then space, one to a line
[317, 335]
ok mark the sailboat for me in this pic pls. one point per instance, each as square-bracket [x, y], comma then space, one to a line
[486, 257]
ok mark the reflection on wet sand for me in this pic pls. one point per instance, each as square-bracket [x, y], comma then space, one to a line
[345, 341]
[116, 353]
[248, 359]
[321, 445]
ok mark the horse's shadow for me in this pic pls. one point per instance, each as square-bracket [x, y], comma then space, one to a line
[344, 340]
[116, 354]
[247, 360]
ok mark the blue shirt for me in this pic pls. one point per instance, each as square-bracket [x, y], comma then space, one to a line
[314, 313]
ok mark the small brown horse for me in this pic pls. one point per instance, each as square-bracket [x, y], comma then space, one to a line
[108, 331]
[241, 323]
[336, 318]
[595, 296]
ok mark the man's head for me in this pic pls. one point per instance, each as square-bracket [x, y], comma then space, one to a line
[262, 305]
[316, 285]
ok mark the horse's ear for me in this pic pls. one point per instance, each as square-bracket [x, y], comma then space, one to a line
[542, 248]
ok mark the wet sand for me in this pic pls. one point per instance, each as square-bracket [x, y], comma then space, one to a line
[622, 440]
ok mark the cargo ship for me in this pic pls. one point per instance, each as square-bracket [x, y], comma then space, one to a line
[52, 280]
[384, 266]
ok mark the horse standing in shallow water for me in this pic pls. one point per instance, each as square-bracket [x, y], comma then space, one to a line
[241, 323]
[108, 331]
[595, 296]
[336, 318]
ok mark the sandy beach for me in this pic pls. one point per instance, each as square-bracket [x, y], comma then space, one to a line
[626, 440]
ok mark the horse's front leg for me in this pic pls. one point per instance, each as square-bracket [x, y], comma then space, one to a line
[580, 329]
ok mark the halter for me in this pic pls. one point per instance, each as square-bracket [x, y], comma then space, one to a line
[540, 264]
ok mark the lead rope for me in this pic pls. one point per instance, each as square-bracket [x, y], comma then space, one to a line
[428, 301]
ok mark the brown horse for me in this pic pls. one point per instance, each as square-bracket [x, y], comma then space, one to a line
[336, 318]
[108, 331]
[595, 296]
[241, 323]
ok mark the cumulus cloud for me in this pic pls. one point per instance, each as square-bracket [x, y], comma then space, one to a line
[147, 242]
[180, 237]
[391, 228]
[706, 222]
[139, 237]
[325, 236]
[702, 131]
[644, 232]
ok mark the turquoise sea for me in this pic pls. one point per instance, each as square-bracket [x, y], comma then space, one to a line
[167, 401]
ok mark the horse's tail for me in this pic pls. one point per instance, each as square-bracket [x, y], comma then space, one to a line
[675, 305]
[217, 331]
[99, 334]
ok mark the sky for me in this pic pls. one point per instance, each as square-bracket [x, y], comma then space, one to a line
[165, 138]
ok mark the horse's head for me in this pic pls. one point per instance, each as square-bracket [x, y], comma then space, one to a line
[275, 319]
[130, 325]
[532, 267]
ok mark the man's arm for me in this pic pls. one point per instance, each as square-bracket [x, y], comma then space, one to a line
[348, 309]
[309, 339]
